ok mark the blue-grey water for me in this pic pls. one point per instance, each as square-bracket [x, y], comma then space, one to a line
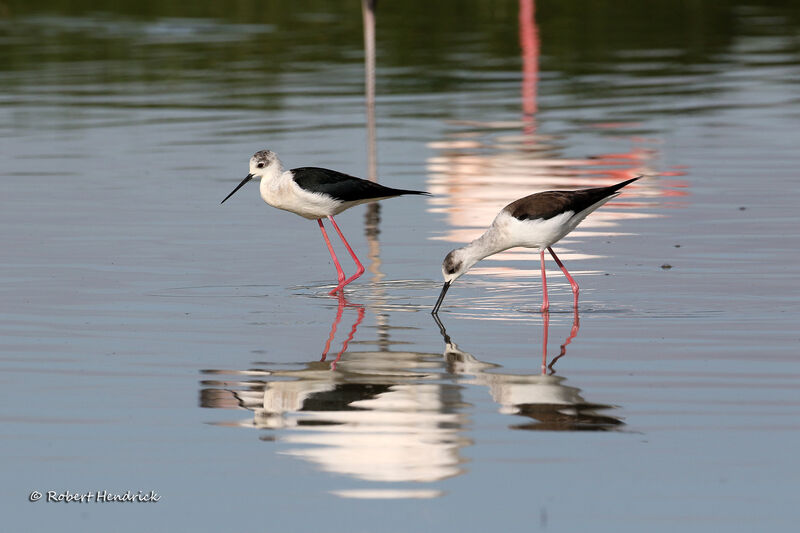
[153, 340]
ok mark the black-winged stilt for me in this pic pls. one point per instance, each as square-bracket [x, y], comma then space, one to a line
[536, 221]
[315, 193]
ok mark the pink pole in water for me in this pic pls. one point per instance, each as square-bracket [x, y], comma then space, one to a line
[529, 42]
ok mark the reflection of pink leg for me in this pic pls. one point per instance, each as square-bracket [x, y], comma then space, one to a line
[339, 271]
[545, 302]
[349, 337]
[576, 324]
[339, 311]
[359, 266]
[575, 288]
[545, 330]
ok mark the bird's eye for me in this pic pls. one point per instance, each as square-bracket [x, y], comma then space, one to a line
[452, 268]
[260, 165]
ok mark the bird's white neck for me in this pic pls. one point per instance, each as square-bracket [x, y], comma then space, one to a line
[272, 173]
[270, 182]
[487, 244]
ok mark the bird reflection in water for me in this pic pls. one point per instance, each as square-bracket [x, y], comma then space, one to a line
[545, 398]
[386, 416]
[392, 416]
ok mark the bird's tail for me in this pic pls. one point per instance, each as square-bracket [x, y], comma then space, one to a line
[399, 192]
[614, 188]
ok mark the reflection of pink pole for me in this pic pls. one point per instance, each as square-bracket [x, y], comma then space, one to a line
[529, 42]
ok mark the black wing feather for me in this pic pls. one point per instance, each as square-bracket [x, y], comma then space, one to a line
[342, 187]
[548, 204]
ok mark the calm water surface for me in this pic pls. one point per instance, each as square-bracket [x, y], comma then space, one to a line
[152, 339]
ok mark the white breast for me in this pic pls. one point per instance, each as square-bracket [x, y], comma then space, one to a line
[538, 233]
[282, 192]
[534, 233]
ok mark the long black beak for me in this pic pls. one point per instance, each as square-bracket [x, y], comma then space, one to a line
[245, 180]
[441, 298]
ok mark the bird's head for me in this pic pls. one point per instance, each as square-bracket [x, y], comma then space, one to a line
[264, 163]
[455, 264]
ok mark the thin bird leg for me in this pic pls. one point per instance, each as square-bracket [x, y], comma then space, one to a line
[545, 302]
[339, 271]
[359, 266]
[575, 288]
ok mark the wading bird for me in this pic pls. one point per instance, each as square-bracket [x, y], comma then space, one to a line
[316, 193]
[536, 221]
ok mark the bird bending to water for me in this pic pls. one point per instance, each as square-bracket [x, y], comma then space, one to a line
[536, 221]
[316, 193]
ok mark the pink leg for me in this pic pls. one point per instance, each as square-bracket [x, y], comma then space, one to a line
[575, 288]
[359, 266]
[339, 271]
[545, 302]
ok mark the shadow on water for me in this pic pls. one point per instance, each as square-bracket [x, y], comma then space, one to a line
[394, 416]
